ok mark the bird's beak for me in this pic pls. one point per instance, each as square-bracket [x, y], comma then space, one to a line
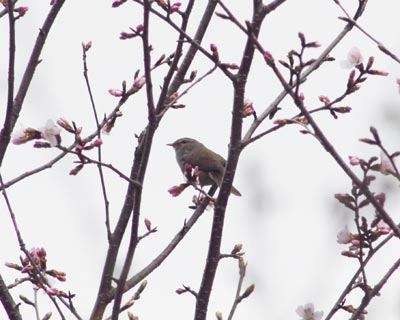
[170, 144]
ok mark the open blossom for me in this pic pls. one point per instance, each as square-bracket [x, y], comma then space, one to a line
[307, 312]
[354, 58]
[386, 166]
[248, 107]
[51, 133]
[344, 236]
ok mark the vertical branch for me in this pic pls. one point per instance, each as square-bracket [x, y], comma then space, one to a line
[14, 109]
[133, 195]
[239, 85]
[146, 143]
[11, 66]
[85, 48]
[189, 57]
[166, 89]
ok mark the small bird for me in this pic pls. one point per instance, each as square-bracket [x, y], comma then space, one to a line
[211, 165]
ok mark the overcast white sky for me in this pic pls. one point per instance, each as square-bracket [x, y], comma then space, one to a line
[287, 218]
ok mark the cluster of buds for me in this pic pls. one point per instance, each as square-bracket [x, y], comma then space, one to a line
[354, 83]
[358, 242]
[333, 110]
[168, 7]
[33, 264]
[135, 32]
[192, 178]
[81, 145]
[137, 84]
[387, 164]
[50, 133]
[86, 46]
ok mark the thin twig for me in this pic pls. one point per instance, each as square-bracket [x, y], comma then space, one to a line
[369, 295]
[39, 275]
[11, 117]
[99, 158]
[357, 25]
[156, 262]
[242, 273]
[356, 275]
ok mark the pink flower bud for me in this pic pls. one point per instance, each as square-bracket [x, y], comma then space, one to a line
[21, 10]
[175, 7]
[354, 161]
[324, 99]
[268, 57]
[139, 27]
[97, 142]
[115, 92]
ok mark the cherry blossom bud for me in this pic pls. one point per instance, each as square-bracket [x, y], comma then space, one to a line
[65, 125]
[237, 248]
[47, 316]
[342, 109]
[13, 266]
[268, 57]
[177, 190]
[248, 291]
[86, 46]
[147, 223]
[142, 286]
[324, 99]
[97, 142]
[76, 170]
[126, 35]
[354, 161]
[175, 7]
[139, 28]
[21, 10]
[180, 290]
[281, 122]
[117, 3]
[115, 92]
[41, 145]
[214, 50]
